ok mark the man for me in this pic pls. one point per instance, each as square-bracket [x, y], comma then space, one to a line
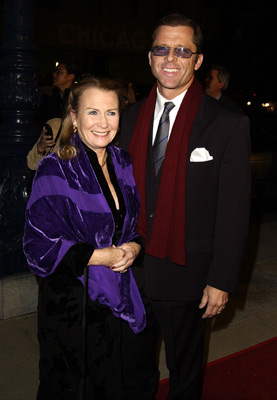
[216, 82]
[53, 106]
[194, 212]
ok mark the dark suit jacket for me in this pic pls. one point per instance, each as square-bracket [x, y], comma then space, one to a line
[217, 205]
[228, 102]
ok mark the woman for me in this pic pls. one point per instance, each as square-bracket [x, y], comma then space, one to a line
[80, 225]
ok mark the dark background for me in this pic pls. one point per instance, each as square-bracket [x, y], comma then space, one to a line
[111, 37]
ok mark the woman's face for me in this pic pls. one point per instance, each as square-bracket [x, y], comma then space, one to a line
[97, 119]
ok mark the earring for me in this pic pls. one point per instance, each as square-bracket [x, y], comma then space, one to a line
[75, 129]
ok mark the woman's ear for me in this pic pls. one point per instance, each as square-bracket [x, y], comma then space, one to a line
[73, 117]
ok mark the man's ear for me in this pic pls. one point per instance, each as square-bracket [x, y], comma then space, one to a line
[199, 61]
[71, 77]
[150, 58]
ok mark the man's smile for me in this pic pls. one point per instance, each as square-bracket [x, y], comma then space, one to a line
[170, 70]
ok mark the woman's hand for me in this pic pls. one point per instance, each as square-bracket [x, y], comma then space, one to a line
[109, 256]
[44, 142]
[131, 251]
[116, 258]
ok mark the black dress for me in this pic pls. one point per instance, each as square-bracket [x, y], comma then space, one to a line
[60, 324]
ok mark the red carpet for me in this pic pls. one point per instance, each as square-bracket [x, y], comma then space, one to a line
[250, 374]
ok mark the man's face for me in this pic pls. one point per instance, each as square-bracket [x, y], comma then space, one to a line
[173, 74]
[212, 85]
[61, 79]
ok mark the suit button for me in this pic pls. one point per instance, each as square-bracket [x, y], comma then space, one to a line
[152, 215]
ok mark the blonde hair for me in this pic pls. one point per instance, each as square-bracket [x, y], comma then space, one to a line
[67, 151]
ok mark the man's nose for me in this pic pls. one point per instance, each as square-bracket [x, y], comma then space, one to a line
[171, 55]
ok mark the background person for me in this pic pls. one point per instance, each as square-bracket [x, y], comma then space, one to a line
[45, 144]
[128, 90]
[54, 105]
[216, 83]
[194, 211]
[80, 231]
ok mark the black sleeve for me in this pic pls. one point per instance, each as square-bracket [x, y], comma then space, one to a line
[77, 258]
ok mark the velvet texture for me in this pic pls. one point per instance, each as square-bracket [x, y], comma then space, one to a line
[67, 207]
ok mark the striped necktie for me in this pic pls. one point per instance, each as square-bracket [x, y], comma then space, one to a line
[161, 139]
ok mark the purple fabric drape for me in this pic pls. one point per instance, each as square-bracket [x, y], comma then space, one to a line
[66, 207]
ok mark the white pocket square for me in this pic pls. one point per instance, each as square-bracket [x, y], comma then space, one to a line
[200, 154]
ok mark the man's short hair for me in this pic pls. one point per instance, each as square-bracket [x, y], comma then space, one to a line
[71, 68]
[222, 75]
[180, 20]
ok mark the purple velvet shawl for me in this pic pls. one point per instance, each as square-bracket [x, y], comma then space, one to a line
[67, 206]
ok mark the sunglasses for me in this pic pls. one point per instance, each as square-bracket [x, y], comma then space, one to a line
[180, 52]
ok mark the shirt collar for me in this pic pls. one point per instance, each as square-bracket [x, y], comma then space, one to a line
[161, 100]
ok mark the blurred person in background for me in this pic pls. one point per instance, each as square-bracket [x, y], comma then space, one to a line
[216, 83]
[53, 106]
[45, 143]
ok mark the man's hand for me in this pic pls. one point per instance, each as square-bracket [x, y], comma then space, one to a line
[214, 299]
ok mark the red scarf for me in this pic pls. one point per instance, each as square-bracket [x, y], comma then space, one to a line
[168, 231]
